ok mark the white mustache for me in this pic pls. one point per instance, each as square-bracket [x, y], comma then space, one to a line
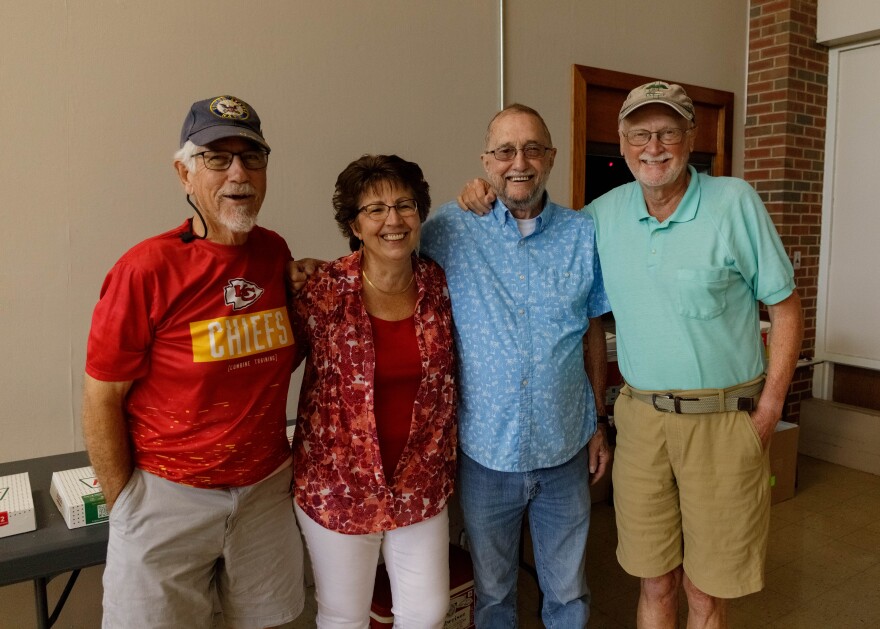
[243, 189]
[655, 158]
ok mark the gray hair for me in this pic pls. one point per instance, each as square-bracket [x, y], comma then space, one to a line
[518, 108]
[186, 155]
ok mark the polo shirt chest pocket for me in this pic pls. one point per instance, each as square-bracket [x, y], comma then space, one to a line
[702, 293]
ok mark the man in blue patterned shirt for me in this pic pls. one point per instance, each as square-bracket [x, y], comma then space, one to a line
[526, 287]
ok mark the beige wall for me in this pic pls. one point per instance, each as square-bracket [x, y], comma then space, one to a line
[844, 21]
[95, 92]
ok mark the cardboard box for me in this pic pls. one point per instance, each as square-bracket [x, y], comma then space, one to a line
[461, 594]
[16, 505]
[77, 494]
[783, 461]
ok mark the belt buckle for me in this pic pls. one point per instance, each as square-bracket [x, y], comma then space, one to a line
[745, 404]
[676, 402]
[664, 396]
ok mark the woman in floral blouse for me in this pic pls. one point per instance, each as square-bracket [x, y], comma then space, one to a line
[374, 448]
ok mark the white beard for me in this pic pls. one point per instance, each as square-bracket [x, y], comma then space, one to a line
[239, 220]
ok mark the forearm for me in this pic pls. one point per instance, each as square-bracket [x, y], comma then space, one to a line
[595, 352]
[786, 334]
[106, 435]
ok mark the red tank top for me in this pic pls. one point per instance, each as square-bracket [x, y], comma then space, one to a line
[396, 383]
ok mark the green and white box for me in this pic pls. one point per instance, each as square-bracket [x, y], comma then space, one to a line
[16, 505]
[77, 494]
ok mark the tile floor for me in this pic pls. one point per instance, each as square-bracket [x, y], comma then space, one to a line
[823, 563]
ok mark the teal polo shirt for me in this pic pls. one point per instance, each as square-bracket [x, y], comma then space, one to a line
[684, 292]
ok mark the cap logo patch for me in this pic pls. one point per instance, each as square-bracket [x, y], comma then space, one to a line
[240, 293]
[655, 90]
[229, 108]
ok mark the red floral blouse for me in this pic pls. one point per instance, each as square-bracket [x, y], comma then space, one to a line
[338, 476]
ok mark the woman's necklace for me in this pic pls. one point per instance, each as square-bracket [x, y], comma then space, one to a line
[399, 292]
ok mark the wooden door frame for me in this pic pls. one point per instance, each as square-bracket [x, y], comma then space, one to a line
[596, 119]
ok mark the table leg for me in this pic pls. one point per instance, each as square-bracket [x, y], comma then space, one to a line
[44, 620]
[71, 580]
[42, 603]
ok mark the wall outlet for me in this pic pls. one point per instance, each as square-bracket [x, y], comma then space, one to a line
[796, 262]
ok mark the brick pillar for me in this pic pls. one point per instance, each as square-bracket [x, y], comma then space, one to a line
[785, 145]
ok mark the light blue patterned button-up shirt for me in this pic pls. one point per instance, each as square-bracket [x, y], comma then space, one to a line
[520, 308]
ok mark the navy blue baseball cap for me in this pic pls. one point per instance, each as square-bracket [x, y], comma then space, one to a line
[221, 117]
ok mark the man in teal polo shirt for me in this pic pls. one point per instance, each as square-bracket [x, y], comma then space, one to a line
[686, 257]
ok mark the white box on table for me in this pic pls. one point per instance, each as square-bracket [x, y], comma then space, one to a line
[77, 494]
[16, 505]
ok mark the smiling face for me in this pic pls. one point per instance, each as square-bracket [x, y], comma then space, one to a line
[393, 240]
[228, 199]
[519, 183]
[657, 166]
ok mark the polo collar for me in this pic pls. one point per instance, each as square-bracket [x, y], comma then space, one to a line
[687, 207]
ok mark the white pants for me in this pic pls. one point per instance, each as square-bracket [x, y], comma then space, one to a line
[417, 561]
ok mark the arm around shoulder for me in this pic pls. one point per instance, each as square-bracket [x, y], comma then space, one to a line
[477, 196]
[299, 271]
[106, 434]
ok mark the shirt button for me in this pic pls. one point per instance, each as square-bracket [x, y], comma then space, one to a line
[521, 243]
[522, 277]
[525, 383]
[653, 251]
[522, 311]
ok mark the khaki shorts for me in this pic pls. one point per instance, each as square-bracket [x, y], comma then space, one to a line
[691, 490]
[174, 550]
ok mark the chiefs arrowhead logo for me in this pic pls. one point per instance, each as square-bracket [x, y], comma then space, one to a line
[239, 293]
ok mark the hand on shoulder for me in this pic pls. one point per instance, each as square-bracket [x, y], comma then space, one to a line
[477, 197]
[299, 271]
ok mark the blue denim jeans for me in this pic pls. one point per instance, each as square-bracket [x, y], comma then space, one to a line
[557, 501]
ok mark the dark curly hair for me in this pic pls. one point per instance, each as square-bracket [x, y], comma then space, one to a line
[369, 173]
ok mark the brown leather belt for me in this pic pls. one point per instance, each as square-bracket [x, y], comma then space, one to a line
[740, 397]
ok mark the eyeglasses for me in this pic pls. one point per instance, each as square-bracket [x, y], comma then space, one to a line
[640, 137]
[529, 151]
[221, 160]
[380, 211]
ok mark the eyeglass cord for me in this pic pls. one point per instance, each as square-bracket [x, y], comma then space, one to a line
[189, 235]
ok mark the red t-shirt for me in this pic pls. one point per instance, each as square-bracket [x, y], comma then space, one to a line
[395, 383]
[202, 330]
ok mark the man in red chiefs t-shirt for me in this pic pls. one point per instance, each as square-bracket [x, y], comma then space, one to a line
[189, 361]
